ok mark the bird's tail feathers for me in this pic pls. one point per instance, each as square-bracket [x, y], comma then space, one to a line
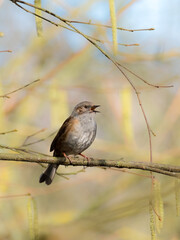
[48, 175]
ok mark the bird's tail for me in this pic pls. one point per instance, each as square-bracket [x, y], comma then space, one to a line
[48, 175]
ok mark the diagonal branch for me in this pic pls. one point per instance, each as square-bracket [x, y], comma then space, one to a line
[25, 86]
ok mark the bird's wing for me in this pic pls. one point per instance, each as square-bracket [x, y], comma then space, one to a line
[63, 131]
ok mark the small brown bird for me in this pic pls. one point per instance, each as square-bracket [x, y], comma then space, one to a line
[75, 135]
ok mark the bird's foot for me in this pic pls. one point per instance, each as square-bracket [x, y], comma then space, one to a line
[87, 158]
[67, 157]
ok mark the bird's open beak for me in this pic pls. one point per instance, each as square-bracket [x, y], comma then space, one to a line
[94, 107]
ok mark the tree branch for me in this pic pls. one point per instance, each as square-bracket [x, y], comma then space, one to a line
[25, 86]
[165, 169]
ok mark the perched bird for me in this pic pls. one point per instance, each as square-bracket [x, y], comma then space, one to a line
[75, 135]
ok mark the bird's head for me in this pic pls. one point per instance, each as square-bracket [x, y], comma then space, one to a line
[85, 107]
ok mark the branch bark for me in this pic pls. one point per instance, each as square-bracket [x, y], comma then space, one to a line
[164, 169]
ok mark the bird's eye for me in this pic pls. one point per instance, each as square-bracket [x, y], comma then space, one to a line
[86, 106]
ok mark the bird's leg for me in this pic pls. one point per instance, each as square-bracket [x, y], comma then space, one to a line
[88, 159]
[67, 158]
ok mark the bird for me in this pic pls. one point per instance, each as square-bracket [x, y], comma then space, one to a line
[75, 135]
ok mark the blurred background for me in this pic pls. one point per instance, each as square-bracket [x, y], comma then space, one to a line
[90, 203]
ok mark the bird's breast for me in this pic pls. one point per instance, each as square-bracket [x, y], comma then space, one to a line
[83, 134]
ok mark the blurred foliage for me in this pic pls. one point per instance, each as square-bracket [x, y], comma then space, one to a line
[96, 203]
[114, 25]
[32, 218]
[39, 29]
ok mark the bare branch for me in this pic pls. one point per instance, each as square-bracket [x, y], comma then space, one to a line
[32, 135]
[16, 195]
[5, 51]
[27, 85]
[11, 131]
[37, 141]
[108, 26]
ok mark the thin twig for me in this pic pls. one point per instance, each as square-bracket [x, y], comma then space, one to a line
[150, 84]
[105, 41]
[16, 195]
[32, 135]
[23, 150]
[5, 51]
[108, 26]
[154, 210]
[126, 171]
[40, 140]
[27, 85]
[11, 131]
